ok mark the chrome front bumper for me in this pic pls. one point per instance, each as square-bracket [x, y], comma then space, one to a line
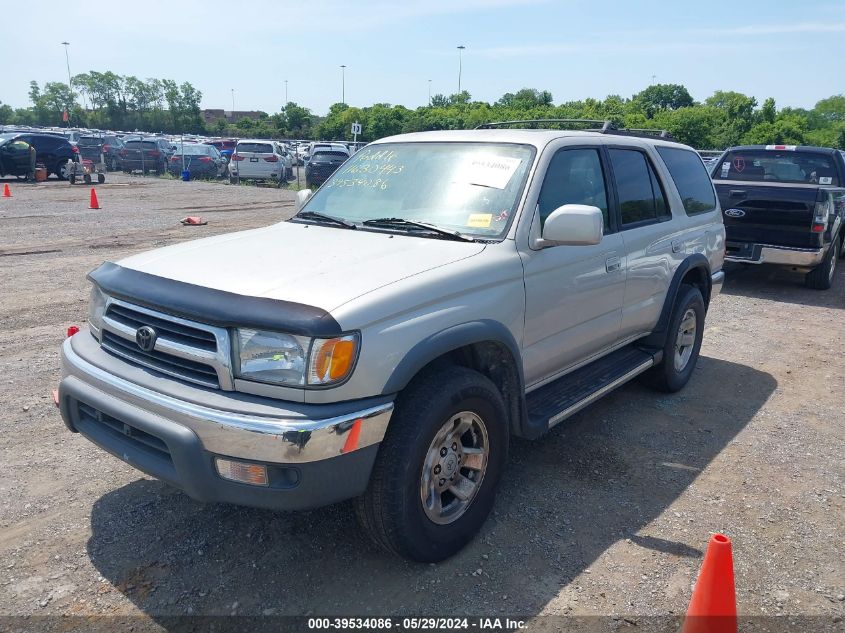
[284, 438]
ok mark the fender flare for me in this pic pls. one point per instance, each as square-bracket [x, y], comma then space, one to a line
[657, 338]
[448, 340]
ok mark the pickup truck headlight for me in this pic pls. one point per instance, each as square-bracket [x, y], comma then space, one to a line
[96, 308]
[285, 359]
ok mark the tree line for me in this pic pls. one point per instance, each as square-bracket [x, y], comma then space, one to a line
[110, 101]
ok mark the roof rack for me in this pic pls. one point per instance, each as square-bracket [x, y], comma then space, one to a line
[603, 127]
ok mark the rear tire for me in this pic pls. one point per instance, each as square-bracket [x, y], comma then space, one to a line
[683, 342]
[61, 170]
[101, 178]
[821, 277]
[455, 416]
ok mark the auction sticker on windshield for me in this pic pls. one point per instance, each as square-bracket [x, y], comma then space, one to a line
[480, 220]
[487, 170]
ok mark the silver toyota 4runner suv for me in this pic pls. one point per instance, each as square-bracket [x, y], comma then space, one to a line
[440, 292]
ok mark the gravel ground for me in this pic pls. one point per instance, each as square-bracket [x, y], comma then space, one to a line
[607, 515]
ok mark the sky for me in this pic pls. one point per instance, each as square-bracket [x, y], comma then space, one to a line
[786, 49]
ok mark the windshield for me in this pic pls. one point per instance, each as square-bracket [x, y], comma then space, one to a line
[86, 141]
[777, 166]
[472, 188]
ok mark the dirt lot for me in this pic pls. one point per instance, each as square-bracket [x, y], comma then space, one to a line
[607, 515]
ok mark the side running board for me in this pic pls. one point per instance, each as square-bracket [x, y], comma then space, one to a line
[558, 400]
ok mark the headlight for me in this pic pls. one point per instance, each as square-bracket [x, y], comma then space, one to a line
[96, 308]
[272, 357]
[284, 359]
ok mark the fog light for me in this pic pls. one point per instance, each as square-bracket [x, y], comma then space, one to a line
[253, 474]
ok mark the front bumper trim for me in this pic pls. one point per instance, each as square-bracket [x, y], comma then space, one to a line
[260, 438]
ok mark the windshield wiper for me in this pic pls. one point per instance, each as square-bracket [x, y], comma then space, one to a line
[401, 223]
[316, 215]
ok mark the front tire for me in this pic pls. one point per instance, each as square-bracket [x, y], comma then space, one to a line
[683, 342]
[821, 278]
[437, 470]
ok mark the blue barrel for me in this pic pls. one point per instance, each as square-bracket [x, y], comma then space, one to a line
[186, 175]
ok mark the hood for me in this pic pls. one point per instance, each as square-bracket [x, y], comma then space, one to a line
[313, 265]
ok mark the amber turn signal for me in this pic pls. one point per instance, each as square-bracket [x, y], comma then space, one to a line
[332, 359]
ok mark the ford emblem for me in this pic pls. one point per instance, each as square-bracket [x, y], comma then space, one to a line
[735, 213]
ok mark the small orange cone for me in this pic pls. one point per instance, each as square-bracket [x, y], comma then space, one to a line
[712, 608]
[94, 203]
[6, 191]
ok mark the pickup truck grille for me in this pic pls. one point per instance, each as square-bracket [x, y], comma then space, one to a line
[189, 351]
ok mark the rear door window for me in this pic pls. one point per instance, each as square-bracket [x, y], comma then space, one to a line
[690, 178]
[641, 198]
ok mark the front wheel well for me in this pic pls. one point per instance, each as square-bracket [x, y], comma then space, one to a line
[495, 361]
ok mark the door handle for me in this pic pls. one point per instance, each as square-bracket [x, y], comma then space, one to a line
[612, 264]
[737, 193]
[677, 246]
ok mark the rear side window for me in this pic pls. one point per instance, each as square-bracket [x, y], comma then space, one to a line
[641, 197]
[258, 148]
[574, 176]
[690, 178]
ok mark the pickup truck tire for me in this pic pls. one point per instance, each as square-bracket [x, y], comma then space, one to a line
[409, 508]
[821, 277]
[683, 344]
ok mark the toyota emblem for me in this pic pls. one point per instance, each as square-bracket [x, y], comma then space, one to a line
[146, 337]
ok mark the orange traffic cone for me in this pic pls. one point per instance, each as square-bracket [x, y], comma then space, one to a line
[94, 203]
[6, 191]
[712, 608]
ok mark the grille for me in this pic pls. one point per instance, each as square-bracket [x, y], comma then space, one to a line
[121, 432]
[122, 321]
[184, 334]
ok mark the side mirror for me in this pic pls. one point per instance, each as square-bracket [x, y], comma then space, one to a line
[302, 197]
[574, 225]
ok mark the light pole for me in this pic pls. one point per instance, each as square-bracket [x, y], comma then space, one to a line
[233, 104]
[343, 83]
[286, 92]
[460, 64]
[69, 83]
[429, 93]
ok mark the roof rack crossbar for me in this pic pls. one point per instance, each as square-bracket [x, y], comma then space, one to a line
[602, 126]
[641, 131]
